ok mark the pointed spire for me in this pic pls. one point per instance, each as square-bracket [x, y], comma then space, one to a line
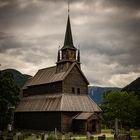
[58, 56]
[68, 35]
[78, 55]
[68, 41]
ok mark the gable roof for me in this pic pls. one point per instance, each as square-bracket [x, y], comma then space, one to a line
[83, 116]
[49, 75]
[58, 102]
[86, 116]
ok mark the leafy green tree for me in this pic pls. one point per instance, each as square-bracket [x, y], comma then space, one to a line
[120, 105]
[9, 96]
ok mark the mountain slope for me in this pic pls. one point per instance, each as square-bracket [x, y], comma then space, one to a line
[133, 86]
[19, 78]
[96, 93]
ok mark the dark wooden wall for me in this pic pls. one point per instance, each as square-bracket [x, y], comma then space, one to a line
[48, 121]
[79, 126]
[75, 80]
[43, 89]
[67, 121]
[38, 120]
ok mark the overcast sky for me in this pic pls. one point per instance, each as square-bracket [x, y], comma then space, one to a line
[107, 31]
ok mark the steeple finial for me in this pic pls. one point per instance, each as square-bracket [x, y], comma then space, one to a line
[68, 41]
[78, 55]
[68, 7]
[68, 35]
[58, 56]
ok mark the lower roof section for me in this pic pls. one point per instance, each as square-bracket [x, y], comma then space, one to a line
[57, 102]
[86, 116]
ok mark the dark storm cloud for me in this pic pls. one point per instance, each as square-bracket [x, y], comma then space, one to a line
[130, 4]
[13, 15]
[4, 35]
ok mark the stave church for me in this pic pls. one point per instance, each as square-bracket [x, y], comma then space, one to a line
[57, 97]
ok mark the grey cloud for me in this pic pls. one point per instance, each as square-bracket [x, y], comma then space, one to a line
[31, 31]
[131, 4]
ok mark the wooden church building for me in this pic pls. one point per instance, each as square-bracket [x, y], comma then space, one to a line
[57, 97]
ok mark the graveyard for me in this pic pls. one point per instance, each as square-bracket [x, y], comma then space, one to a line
[56, 135]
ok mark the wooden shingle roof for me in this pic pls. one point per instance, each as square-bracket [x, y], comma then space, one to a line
[86, 116]
[58, 102]
[83, 116]
[49, 75]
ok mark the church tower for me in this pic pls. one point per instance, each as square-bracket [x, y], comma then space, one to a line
[57, 96]
[68, 54]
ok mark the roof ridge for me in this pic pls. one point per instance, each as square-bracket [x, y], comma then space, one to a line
[70, 68]
[47, 68]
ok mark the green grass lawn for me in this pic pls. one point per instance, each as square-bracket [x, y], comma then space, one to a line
[135, 132]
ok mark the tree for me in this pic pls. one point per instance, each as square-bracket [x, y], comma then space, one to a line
[120, 105]
[9, 96]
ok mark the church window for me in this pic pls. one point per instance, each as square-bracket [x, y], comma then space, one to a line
[78, 90]
[73, 90]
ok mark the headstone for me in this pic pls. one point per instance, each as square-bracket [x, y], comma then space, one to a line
[45, 136]
[19, 136]
[33, 137]
[88, 135]
[9, 127]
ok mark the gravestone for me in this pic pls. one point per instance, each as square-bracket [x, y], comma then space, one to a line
[33, 137]
[89, 136]
[45, 136]
[19, 136]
